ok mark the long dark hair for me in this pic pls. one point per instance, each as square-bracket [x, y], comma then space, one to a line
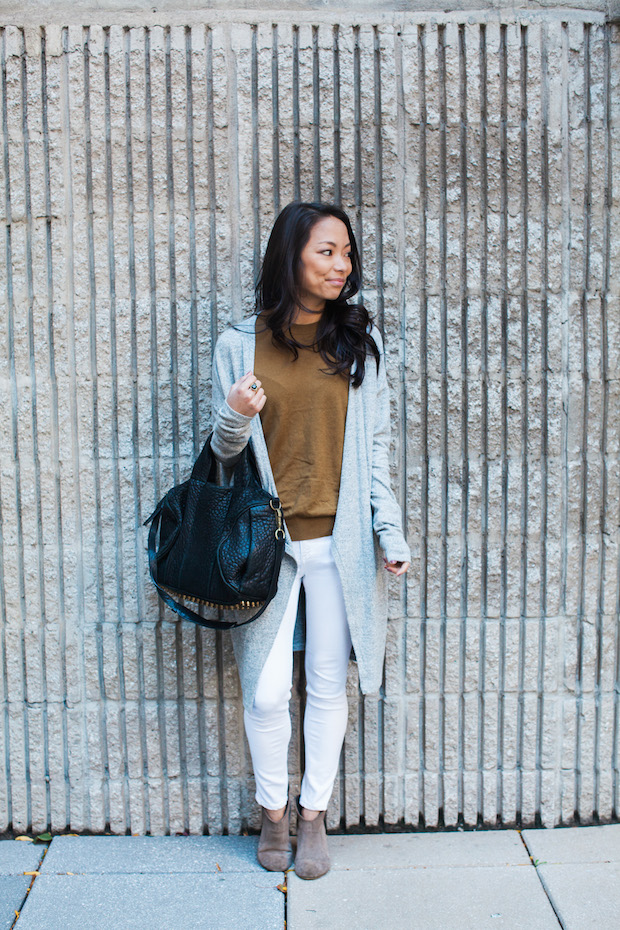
[343, 334]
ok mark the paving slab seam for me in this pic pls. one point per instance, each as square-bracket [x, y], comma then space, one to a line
[29, 888]
[153, 872]
[542, 881]
[284, 890]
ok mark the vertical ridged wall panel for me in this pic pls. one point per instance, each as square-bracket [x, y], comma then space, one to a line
[141, 170]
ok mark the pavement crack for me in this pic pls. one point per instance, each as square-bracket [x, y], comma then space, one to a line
[542, 881]
[284, 889]
[29, 888]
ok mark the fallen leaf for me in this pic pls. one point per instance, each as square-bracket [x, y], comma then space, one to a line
[43, 838]
[32, 873]
[281, 888]
[218, 866]
[26, 839]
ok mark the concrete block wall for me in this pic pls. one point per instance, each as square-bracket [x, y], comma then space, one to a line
[143, 158]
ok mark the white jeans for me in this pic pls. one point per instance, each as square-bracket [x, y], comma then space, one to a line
[328, 646]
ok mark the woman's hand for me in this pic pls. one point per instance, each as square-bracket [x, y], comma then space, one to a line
[246, 396]
[396, 568]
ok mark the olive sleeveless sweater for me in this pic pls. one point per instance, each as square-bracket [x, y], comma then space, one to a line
[303, 421]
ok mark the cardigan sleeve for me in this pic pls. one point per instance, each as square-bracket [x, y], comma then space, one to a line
[386, 513]
[231, 430]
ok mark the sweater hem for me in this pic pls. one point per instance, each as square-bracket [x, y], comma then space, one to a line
[301, 528]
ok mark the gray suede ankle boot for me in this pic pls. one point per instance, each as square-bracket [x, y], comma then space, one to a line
[274, 846]
[312, 857]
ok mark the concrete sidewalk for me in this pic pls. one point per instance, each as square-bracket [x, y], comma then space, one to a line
[530, 880]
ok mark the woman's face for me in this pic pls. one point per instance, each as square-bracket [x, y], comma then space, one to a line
[325, 265]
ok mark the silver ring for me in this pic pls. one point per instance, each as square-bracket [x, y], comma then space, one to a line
[254, 387]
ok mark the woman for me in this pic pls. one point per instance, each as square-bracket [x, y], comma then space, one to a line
[304, 379]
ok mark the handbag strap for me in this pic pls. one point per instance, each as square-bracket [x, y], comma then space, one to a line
[185, 612]
[244, 471]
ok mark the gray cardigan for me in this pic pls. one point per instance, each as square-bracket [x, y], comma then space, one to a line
[368, 518]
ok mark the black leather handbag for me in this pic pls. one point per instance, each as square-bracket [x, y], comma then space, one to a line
[220, 546]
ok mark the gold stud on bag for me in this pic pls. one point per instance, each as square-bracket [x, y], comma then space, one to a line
[219, 546]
